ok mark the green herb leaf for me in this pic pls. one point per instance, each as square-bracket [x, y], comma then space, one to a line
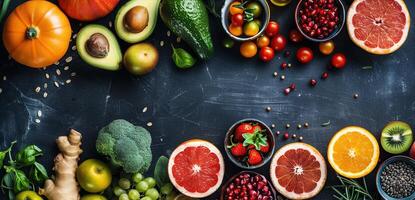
[257, 139]
[4, 153]
[27, 156]
[38, 173]
[160, 171]
[4, 7]
[182, 58]
[352, 190]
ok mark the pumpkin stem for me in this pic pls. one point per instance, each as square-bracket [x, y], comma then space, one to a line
[31, 33]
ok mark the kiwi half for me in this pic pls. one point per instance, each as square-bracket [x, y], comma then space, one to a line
[396, 137]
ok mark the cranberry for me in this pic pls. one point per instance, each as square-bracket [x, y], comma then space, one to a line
[313, 82]
[287, 91]
[286, 136]
[325, 75]
[283, 65]
[292, 86]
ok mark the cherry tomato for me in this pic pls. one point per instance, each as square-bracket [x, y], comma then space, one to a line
[251, 28]
[262, 41]
[237, 19]
[295, 36]
[278, 42]
[326, 48]
[272, 29]
[304, 55]
[235, 30]
[248, 49]
[234, 10]
[338, 60]
[266, 54]
[255, 7]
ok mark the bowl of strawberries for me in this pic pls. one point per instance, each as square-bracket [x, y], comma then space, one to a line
[249, 143]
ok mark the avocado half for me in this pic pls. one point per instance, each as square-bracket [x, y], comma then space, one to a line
[152, 7]
[110, 59]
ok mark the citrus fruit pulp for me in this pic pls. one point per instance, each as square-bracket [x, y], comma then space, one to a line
[353, 152]
[378, 26]
[298, 171]
[196, 168]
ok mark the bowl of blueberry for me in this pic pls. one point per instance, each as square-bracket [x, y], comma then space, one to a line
[395, 178]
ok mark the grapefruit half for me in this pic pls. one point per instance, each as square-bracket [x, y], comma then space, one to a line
[378, 26]
[298, 171]
[196, 168]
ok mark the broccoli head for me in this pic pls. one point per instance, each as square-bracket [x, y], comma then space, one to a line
[127, 146]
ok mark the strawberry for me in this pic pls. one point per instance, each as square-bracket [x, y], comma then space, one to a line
[254, 157]
[242, 129]
[238, 150]
[257, 128]
[265, 149]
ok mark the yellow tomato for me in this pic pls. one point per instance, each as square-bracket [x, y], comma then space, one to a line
[234, 10]
[262, 41]
[235, 30]
[251, 28]
[248, 49]
[326, 48]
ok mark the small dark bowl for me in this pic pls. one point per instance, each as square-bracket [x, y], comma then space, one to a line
[271, 140]
[223, 191]
[393, 159]
[342, 19]
[266, 14]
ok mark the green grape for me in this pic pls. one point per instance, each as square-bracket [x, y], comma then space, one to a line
[118, 191]
[151, 182]
[133, 194]
[137, 177]
[146, 198]
[142, 186]
[166, 189]
[152, 193]
[123, 197]
[124, 183]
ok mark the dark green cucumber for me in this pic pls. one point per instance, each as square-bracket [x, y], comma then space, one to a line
[189, 20]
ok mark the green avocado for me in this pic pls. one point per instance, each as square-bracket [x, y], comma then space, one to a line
[189, 20]
[99, 47]
[136, 20]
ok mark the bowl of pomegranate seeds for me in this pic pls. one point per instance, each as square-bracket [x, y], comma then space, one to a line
[249, 143]
[320, 20]
[248, 185]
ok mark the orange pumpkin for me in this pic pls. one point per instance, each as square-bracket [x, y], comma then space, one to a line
[37, 34]
[87, 10]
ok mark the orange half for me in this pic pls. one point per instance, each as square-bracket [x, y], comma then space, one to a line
[353, 152]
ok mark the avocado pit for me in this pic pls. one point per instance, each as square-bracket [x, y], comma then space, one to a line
[97, 45]
[136, 19]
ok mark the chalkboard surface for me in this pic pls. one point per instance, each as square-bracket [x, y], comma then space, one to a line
[203, 102]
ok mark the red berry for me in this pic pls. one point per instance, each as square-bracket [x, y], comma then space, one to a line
[254, 157]
[313, 82]
[292, 86]
[287, 91]
[325, 75]
[242, 129]
[286, 135]
[238, 150]
[283, 65]
[295, 36]
[272, 29]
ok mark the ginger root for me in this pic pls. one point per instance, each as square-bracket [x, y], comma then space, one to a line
[64, 185]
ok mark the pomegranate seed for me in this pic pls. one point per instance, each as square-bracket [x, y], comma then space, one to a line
[325, 75]
[286, 135]
[283, 65]
[292, 86]
[313, 82]
[287, 91]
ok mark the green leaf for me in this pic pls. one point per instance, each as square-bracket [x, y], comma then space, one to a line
[257, 139]
[38, 173]
[21, 182]
[4, 153]
[4, 7]
[27, 156]
[160, 171]
[182, 58]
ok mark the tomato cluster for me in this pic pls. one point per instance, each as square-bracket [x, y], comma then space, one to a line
[244, 18]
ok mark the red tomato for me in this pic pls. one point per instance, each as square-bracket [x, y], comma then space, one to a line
[338, 60]
[242, 129]
[272, 29]
[266, 54]
[295, 36]
[237, 19]
[304, 55]
[278, 42]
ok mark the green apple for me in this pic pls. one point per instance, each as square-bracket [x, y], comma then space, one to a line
[28, 195]
[141, 58]
[93, 176]
[93, 197]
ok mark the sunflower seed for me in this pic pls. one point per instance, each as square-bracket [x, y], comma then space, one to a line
[145, 109]
[45, 85]
[37, 121]
[45, 94]
[73, 48]
[149, 124]
[1, 90]
[56, 63]
[39, 113]
[74, 36]
[161, 43]
[4, 78]
[66, 68]
[47, 75]
[73, 74]
[110, 24]
[56, 84]
[37, 90]
[68, 81]
[168, 33]
[68, 59]
[58, 72]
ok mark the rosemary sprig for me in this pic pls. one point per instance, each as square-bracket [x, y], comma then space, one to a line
[248, 13]
[351, 190]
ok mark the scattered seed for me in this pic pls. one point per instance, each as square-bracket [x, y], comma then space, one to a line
[275, 74]
[45, 85]
[68, 59]
[39, 113]
[313, 82]
[278, 132]
[292, 86]
[300, 138]
[326, 124]
[73, 48]
[268, 109]
[178, 39]
[56, 84]
[1, 90]
[66, 68]
[299, 126]
[168, 33]
[294, 135]
[73, 74]
[325, 75]
[37, 121]
[289, 65]
[4, 78]
[37, 89]
[306, 125]
[58, 72]
[45, 94]
[56, 63]
[286, 135]
[355, 96]
[161, 43]
[282, 77]
[145, 109]
[74, 35]
[68, 81]
[149, 124]
[283, 65]
[47, 76]
[272, 125]
[287, 126]
[44, 68]
[110, 24]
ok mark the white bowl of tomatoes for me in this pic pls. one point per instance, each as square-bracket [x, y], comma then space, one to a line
[249, 143]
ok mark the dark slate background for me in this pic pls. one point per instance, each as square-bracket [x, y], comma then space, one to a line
[203, 102]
